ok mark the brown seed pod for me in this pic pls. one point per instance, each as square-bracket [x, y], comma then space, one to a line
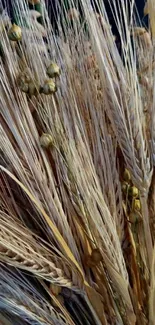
[53, 70]
[49, 87]
[15, 33]
[46, 140]
[95, 258]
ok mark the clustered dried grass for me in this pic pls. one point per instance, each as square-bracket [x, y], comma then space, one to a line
[77, 169]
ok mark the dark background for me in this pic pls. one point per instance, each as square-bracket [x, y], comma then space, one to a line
[140, 5]
[59, 5]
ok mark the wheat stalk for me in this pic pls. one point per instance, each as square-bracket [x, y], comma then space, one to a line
[65, 217]
[32, 260]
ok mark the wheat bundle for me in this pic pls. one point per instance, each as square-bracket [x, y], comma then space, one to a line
[77, 154]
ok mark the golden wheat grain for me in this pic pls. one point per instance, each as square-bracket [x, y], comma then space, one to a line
[21, 250]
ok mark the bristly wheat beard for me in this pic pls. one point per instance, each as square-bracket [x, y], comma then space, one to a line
[76, 165]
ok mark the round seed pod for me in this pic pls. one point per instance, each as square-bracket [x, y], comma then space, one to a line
[133, 191]
[49, 87]
[136, 205]
[15, 33]
[125, 187]
[46, 140]
[127, 175]
[53, 70]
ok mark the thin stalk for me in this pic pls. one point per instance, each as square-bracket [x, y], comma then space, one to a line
[147, 232]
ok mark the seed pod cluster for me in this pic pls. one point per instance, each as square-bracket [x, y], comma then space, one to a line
[27, 85]
[127, 187]
[53, 71]
[131, 193]
[49, 87]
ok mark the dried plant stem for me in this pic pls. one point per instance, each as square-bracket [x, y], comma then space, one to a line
[147, 232]
[76, 152]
